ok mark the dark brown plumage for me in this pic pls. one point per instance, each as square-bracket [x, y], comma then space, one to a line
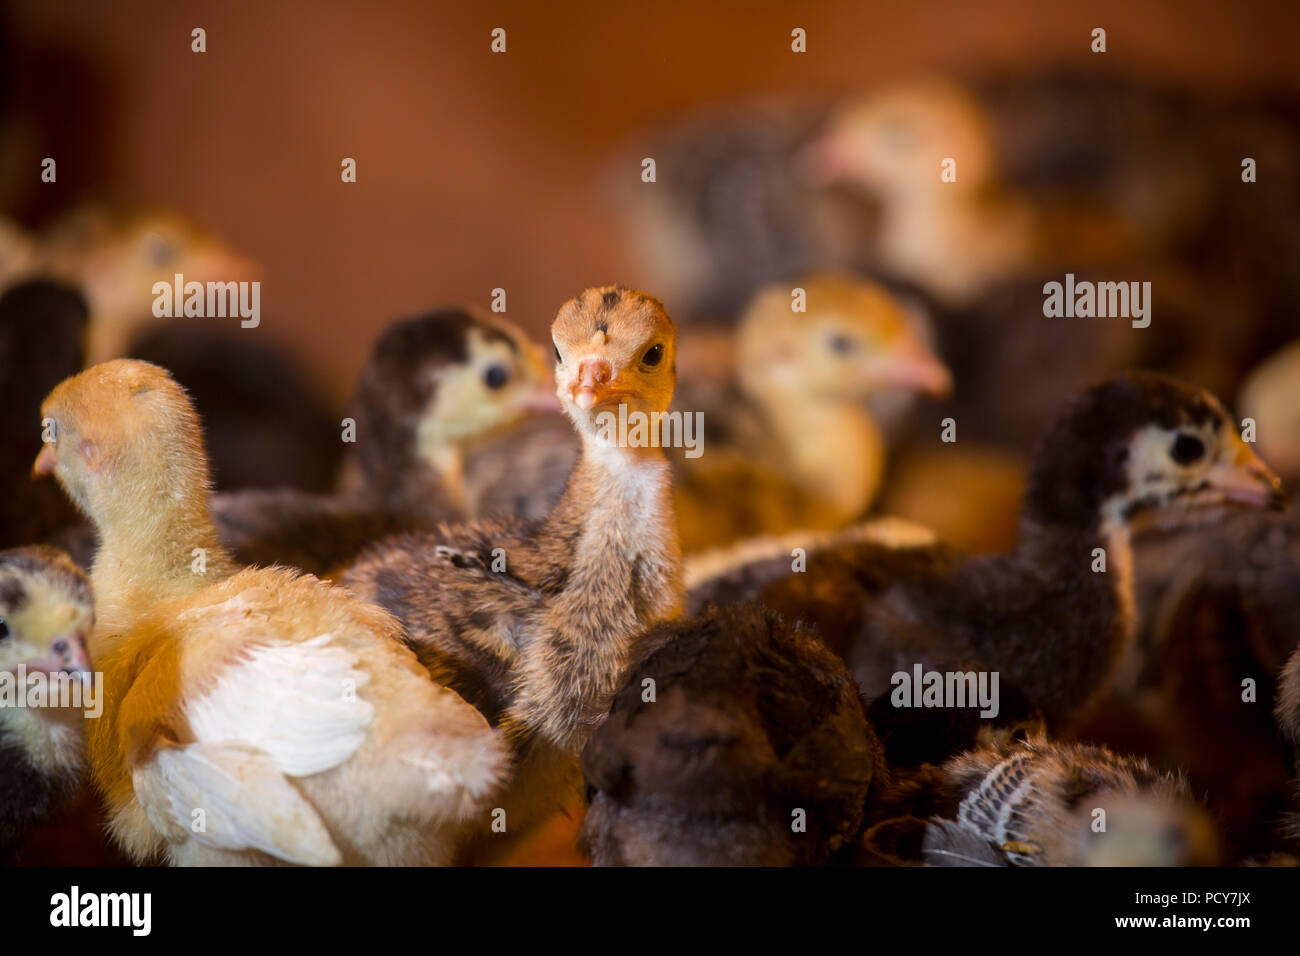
[263, 418]
[1040, 616]
[42, 332]
[1217, 605]
[753, 750]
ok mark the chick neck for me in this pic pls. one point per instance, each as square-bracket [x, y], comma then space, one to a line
[830, 446]
[613, 569]
[1073, 627]
[954, 238]
[156, 544]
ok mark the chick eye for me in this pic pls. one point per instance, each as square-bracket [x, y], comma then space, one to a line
[4, 629]
[841, 344]
[1186, 449]
[558, 357]
[653, 355]
[495, 376]
[159, 251]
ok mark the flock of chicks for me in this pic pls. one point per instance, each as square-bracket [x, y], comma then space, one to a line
[493, 614]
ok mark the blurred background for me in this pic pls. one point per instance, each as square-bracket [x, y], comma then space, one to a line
[476, 170]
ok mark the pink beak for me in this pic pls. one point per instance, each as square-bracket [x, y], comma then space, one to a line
[67, 655]
[542, 399]
[45, 462]
[916, 367]
[592, 384]
[1250, 482]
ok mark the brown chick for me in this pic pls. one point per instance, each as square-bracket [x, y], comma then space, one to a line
[250, 716]
[117, 254]
[702, 764]
[46, 613]
[534, 622]
[433, 385]
[954, 236]
[790, 442]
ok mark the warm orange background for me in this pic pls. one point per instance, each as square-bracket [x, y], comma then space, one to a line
[479, 170]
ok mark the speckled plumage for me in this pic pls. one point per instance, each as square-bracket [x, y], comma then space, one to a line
[1020, 799]
[752, 720]
[534, 622]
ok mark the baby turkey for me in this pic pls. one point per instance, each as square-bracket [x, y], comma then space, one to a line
[740, 740]
[1046, 616]
[534, 622]
[433, 384]
[46, 614]
[1023, 800]
[250, 716]
[954, 228]
[116, 254]
[790, 442]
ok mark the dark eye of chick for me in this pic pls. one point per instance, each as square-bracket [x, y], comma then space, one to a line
[841, 344]
[161, 251]
[4, 629]
[495, 376]
[1186, 449]
[558, 357]
[653, 355]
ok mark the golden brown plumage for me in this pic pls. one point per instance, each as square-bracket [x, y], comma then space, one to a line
[791, 442]
[251, 716]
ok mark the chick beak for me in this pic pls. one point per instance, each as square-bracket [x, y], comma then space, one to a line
[67, 655]
[45, 462]
[1248, 481]
[592, 384]
[913, 366]
[822, 162]
[542, 398]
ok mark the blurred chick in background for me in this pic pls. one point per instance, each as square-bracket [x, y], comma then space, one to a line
[728, 211]
[790, 439]
[1271, 396]
[116, 254]
[953, 237]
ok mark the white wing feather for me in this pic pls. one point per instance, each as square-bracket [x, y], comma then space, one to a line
[243, 803]
[283, 710]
